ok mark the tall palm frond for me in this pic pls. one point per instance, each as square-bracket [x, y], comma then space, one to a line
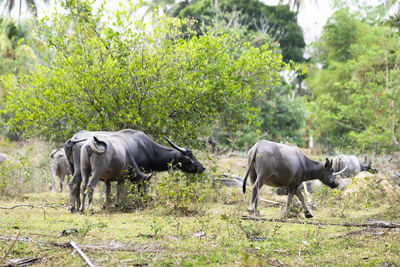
[31, 6]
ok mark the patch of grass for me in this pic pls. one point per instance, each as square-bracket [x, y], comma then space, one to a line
[218, 236]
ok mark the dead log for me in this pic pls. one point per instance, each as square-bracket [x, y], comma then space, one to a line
[374, 224]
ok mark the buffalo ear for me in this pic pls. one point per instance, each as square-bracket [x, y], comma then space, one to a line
[52, 153]
[99, 145]
[328, 163]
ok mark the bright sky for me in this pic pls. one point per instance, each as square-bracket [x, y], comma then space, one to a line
[312, 16]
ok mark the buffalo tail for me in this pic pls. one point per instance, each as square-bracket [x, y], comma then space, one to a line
[248, 171]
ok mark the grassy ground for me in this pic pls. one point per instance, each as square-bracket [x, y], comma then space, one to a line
[214, 235]
[205, 229]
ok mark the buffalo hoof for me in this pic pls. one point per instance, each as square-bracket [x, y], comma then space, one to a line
[72, 209]
[289, 214]
[308, 214]
[254, 212]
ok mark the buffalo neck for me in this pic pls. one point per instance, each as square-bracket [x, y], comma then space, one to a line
[363, 167]
[312, 169]
[163, 158]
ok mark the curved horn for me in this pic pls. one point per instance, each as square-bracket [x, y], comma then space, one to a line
[339, 172]
[95, 146]
[180, 149]
[149, 176]
[52, 153]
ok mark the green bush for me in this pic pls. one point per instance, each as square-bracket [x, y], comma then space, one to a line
[181, 192]
[125, 73]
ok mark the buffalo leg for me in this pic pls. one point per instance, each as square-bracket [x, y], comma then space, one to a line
[85, 173]
[53, 185]
[119, 190]
[300, 196]
[289, 202]
[108, 192]
[74, 190]
[90, 189]
[75, 183]
[254, 194]
[62, 177]
[83, 192]
[309, 199]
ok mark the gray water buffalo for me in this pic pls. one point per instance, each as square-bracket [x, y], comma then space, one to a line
[141, 152]
[72, 149]
[280, 165]
[59, 167]
[349, 165]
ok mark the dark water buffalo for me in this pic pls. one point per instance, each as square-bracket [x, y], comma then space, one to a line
[349, 165]
[280, 165]
[59, 167]
[140, 152]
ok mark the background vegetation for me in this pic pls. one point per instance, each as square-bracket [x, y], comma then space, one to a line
[208, 68]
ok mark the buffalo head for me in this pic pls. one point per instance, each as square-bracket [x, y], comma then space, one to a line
[327, 176]
[371, 169]
[185, 160]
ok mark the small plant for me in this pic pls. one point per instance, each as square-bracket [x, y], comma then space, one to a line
[181, 191]
[85, 228]
[156, 228]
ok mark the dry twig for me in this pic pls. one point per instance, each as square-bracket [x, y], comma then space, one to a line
[54, 206]
[9, 249]
[83, 255]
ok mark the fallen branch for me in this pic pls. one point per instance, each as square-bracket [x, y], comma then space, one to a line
[374, 231]
[274, 203]
[9, 249]
[54, 206]
[83, 255]
[21, 262]
[229, 180]
[376, 224]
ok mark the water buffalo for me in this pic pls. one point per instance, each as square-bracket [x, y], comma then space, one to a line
[141, 151]
[59, 167]
[280, 165]
[349, 165]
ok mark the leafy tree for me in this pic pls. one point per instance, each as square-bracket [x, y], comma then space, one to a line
[260, 24]
[282, 119]
[125, 73]
[356, 93]
[340, 32]
[16, 53]
[255, 18]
